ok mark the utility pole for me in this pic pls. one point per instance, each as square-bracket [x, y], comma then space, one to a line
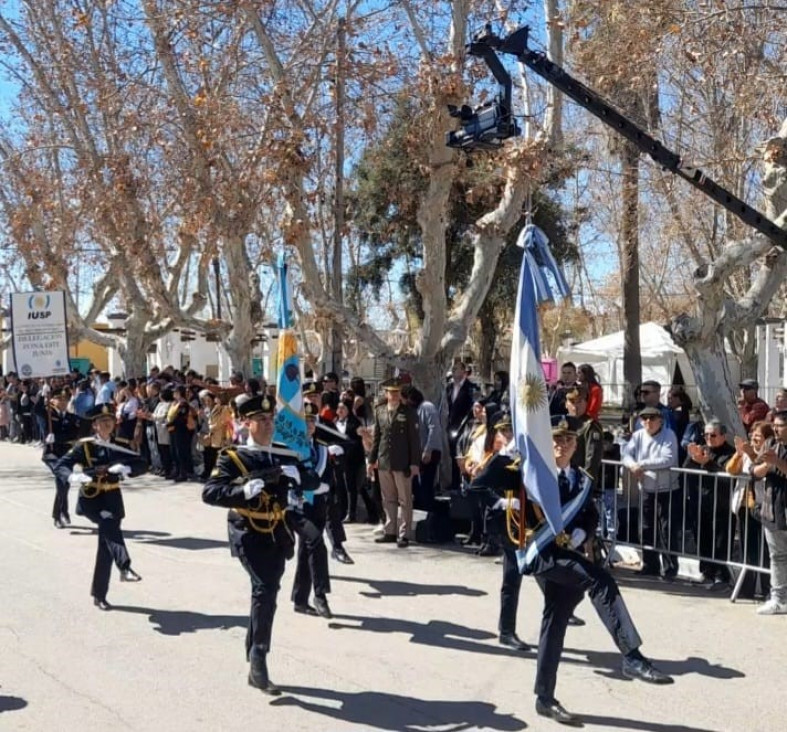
[338, 201]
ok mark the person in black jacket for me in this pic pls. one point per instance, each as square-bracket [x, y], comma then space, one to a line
[62, 432]
[98, 465]
[256, 482]
[564, 574]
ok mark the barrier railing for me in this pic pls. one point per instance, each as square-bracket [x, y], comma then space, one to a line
[705, 516]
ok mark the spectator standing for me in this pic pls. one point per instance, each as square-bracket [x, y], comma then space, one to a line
[567, 381]
[751, 408]
[586, 377]
[649, 455]
[395, 454]
[84, 400]
[216, 435]
[499, 394]
[650, 396]
[779, 404]
[459, 397]
[772, 512]
[709, 500]
[431, 448]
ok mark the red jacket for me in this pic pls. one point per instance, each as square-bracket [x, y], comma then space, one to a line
[595, 399]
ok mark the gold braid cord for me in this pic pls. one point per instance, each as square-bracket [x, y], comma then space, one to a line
[266, 510]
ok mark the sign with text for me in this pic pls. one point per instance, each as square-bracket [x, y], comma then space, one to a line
[39, 339]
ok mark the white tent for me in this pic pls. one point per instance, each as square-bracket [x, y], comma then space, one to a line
[661, 359]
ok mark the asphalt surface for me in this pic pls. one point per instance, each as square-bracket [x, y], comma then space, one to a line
[413, 645]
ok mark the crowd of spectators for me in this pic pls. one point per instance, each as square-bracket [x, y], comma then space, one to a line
[180, 422]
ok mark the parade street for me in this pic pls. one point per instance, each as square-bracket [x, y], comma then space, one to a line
[412, 646]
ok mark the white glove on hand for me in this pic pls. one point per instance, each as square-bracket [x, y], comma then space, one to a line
[578, 537]
[291, 472]
[294, 500]
[335, 450]
[49, 439]
[253, 488]
[106, 514]
[119, 469]
[79, 478]
[504, 503]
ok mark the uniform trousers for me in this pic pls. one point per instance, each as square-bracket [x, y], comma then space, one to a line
[335, 526]
[564, 576]
[312, 564]
[60, 506]
[264, 563]
[661, 523]
[509, 591]
[397, 490]
[111, 548]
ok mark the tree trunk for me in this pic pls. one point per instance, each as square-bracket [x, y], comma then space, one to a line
[486, 344]
[629, 271]
[712, 375]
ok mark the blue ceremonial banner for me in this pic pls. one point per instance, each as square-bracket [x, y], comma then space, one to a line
[529, 400]
[290, 423]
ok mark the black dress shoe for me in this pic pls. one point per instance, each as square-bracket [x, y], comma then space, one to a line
[644, 670]
[512, 640]
[385, 539]
[553, 710]
[403, 543]
[647, 572]
[340, 555]
[321, 607]
[306, 610]
[575, 621]
[488, 550]
[101, 604]
[258, 678]
[129, 575]
[470, 540]
[59, 523]
[66, 519]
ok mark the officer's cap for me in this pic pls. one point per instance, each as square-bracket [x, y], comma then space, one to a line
[255, 406]
[99, 411]
[561, 427]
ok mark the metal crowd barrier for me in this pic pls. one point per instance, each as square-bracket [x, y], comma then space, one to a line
[704, 517]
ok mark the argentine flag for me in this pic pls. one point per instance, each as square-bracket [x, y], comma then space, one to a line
[289, 422]
[529, 399]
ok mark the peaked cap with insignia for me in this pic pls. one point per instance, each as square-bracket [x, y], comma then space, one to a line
[255, 406]
[99, 411]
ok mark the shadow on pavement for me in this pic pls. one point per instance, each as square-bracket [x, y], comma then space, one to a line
[191, 543]
[375, 710]
[610, 662]
[637, 724]
[176, 622]
[11, 703]
[392, 588]
[435, 633]
[137, 534]
[681, 587]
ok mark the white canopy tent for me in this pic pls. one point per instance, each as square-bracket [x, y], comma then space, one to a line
[661, 360]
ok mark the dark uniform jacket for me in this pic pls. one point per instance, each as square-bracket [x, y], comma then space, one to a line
[66, 428]
[397, 444]
[501, 478]
[103, 493]
[261, 522]
[590, 446]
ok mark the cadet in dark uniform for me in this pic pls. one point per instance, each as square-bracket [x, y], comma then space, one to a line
[327, 435]
[64, 430]
[497, 487]
[97, 465]
[253, 481]
[564, 575]
[308, 518]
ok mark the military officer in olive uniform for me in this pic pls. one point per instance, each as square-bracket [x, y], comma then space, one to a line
[396, 455]
[64, 430]
[256, 481]
[97, 465]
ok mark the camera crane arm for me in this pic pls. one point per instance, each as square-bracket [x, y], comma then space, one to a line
[516, 45]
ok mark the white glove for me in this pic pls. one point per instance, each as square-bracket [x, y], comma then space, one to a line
[120, 469]
[253, 488]
[106, 514]
[504, 503]
[335, 450]
[291, 472]
[49, 439]
[578, 537]
[294, 500]
[79, 478]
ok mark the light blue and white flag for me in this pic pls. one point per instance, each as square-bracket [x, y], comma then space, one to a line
[289, 422]
[529, 399]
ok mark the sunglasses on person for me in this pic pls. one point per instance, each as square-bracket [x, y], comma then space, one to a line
[713, 434]
[650, 417]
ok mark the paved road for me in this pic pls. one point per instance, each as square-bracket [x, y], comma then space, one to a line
[412, 646]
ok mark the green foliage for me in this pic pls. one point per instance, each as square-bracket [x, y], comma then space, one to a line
[384, 207]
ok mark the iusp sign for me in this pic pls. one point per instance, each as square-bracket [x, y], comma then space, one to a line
[38, 324]
[38, 306]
